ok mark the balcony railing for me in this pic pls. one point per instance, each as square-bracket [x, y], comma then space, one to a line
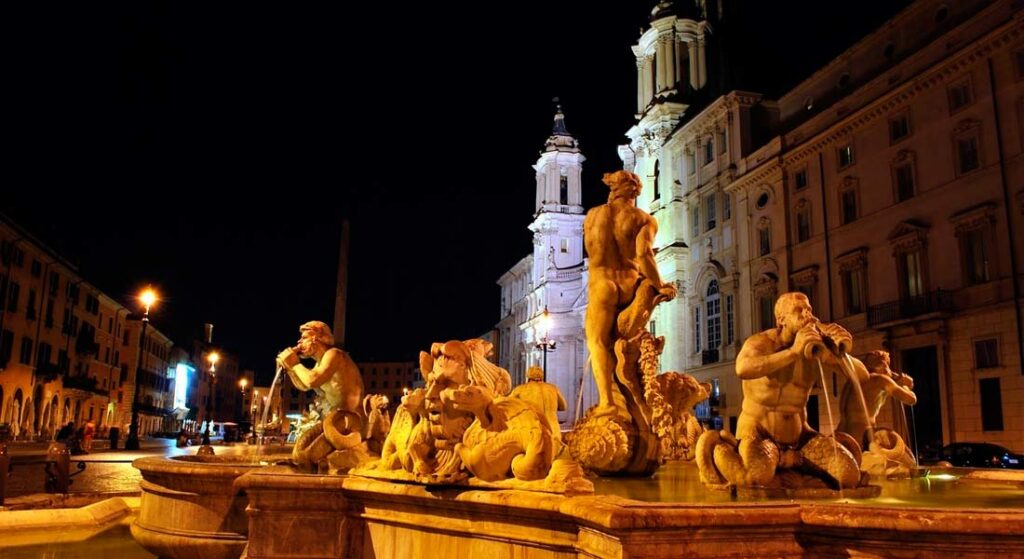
[709, 357]
[932, 302]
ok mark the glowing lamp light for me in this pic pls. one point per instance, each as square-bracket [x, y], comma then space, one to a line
[148, 298]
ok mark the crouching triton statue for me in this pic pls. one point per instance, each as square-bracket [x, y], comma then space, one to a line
[334, 444]
[774, 446]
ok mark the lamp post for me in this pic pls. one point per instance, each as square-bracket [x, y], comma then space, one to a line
[148, 298]
[544, 343]
[212, 358]
[242, 383]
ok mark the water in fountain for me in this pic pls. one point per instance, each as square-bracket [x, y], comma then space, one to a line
[852, 376]
[260, 439]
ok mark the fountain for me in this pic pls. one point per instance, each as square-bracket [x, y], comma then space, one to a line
[469, 470]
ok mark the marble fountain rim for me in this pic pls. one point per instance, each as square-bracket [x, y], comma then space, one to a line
[609, 512]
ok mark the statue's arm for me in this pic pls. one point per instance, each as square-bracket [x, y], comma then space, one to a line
[321, 373]
[296, 379]
[645, 251]
[897, 391]
[758, 359]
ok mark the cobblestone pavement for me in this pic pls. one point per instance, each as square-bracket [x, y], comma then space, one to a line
[105, 471]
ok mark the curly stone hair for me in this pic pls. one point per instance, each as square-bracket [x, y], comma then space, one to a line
[321, 332]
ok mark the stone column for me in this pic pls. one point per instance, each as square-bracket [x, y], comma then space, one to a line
[670, 61]
[641, 99]
[662, 59]
[702, 76]
[693, 63]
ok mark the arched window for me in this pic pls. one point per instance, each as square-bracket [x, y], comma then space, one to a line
[713, 306]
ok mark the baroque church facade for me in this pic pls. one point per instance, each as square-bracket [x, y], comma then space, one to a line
[543, 297]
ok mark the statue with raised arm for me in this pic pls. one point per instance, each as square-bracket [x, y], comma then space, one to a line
[336, 443]
[616, 435]
[886, 453]
[778, 368]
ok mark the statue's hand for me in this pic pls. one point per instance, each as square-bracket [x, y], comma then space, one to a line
[668, 291]
[807, 336]
[904, 380]
[841, 336]
[288, 358]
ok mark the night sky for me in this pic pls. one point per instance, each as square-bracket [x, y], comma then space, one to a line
[212, 149]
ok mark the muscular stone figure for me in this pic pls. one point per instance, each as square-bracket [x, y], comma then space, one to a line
[778, 368]
[619, 240]
[544, 396]
[335, 377]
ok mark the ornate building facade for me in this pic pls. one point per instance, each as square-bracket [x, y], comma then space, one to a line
[543, 297]
[886, 187]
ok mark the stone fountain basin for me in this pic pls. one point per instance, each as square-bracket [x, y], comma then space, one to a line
[300, 515]
[190, 508]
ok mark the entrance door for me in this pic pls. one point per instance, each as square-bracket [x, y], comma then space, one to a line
[925, 420]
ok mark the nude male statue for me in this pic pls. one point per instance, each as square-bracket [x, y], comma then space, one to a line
[335, 376]
[544, 396]
[619, 239]
[778, 372]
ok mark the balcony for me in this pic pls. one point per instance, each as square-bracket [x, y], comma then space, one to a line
[939, 301]
[709, 357]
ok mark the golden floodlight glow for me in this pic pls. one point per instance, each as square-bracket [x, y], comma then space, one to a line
[213, 357]
[243, 383]
[148, 297]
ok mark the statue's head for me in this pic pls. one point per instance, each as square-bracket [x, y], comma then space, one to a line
[793, 312]
[450, 366]
[623, 184]
[314, 335]
[877, 361]
[535, 373]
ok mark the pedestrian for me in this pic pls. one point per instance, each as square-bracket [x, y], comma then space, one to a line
[87, 435]
[65, 432]
[115, 434]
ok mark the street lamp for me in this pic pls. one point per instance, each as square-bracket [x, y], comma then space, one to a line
[544, 343]
[212, 358]
[242, 383]
[147, 298]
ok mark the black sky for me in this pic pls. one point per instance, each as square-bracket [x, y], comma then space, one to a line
[212, 148]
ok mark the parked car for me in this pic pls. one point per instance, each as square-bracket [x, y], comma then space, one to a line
[981, 455]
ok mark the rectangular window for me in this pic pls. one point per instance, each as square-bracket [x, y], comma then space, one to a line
[967, 154]
[13, 293]
[43, 353]
[975, 258]
[726, 207]
[1018, 57]
[800, 179]
[913, 281]
[26, 350]
[720, 138]
[37, 268]
[903, 174]
[764, 241]
[563, 191]
[849, 202]
[54, 284]
[803, 226]
[766, 310]
[714, 310]
[695, 221]
[30, 305]
[730, 336]
[899, 128]
[991, 404]
[986, 353]
[845, 156]
[6, 347]
[709, 212]
[960, 96]
[709, 151]
[853, 290]
[696, 329]
[563, 246]
[691, 162]
[48, 322]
